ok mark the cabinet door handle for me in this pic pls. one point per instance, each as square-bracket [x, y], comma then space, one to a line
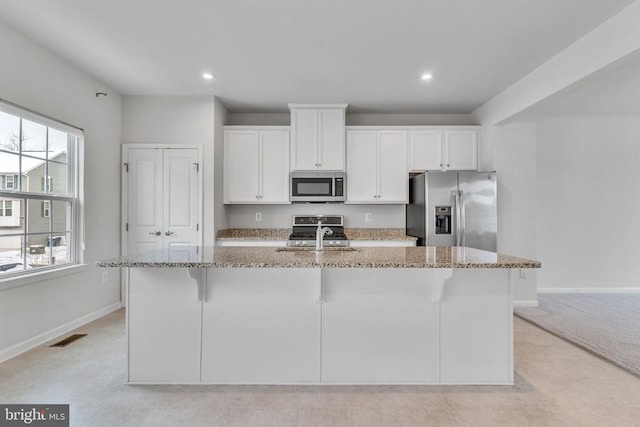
[169, 233]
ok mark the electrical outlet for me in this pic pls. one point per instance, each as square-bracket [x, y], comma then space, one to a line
[367, 217]
[105, 276]
[258, 216]
[523, 273]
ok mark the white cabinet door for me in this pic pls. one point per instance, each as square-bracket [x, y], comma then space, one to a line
[461, 150]
[163, 199]
[377, 166]
[304, 128]
[256, 166]
[318, 138]
[241, 166]
[331, 136]
[164, 325]
[425, 150]
[274, 167]
[393, 175]
[361, 166]
[261, 326]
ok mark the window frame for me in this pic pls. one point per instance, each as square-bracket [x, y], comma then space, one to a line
[4, 209]
[74, 196]
[6, 182]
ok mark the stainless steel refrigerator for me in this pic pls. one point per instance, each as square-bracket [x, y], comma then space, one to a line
[453, 208]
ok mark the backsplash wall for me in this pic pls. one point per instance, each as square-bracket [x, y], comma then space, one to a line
[280, 216]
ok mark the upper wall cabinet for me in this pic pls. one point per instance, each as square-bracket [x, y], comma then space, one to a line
[377, 166]
[443, 149]
[256, 165]
[317, 137]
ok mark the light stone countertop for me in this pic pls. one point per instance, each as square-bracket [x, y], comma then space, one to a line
[283, 234]
[268, 257]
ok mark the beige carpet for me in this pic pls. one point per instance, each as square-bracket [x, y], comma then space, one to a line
[605, 324]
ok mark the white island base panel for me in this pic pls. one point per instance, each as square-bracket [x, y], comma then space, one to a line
[320, 326]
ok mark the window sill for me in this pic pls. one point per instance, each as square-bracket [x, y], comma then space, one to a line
[29, 278]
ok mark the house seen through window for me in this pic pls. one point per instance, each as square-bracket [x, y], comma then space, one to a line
[39, 200]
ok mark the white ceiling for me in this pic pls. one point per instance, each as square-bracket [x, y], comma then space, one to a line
[265, 54]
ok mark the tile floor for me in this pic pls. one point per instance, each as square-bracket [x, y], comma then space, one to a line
[557, 384]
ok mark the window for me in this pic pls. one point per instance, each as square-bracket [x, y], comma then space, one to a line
[46, 208]
[40, 209]
[49, 187]
[6, 207]
[9, 182]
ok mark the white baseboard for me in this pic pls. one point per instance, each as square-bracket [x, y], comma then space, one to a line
[525, 303]
[27, 345]
[588, 290]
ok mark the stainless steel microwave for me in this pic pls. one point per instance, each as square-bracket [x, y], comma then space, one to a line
[317, 186]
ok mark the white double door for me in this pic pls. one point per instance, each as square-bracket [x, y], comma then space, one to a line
[163, 206]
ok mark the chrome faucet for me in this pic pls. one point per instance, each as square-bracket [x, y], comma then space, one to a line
[320, 233]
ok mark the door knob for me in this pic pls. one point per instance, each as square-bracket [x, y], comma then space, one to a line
[169, 233]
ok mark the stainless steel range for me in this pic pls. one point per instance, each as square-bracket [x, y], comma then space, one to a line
[305, 229]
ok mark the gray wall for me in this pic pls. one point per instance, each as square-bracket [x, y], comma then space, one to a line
[588, 202]
[67, 94]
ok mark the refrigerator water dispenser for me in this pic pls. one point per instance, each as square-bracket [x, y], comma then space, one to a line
[443, 220]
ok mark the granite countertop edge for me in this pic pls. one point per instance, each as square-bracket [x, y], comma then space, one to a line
[267, 257]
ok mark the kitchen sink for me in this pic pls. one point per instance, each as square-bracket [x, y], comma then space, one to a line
[312, 249]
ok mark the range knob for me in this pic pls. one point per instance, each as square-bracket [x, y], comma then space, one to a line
[304, 243]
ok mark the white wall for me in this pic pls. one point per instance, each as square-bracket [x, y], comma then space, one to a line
[176, 120]
[514, 159]
[220, 118]
[38, 80]
[588, 202]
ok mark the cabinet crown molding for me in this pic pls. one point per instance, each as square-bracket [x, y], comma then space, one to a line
[296, 106]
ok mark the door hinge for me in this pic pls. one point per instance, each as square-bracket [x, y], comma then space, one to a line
[197, 167]
[126, 227]
[197, 227]
[126, 167]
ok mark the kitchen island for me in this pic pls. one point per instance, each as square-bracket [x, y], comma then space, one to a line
[260, 315]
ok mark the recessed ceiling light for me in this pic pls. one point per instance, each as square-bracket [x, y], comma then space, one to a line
[426, 76]
[207, 76]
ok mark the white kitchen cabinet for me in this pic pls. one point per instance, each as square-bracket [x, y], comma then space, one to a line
[317, 137]
[377, 166]
[443, 149]
[461, 149]
[256, 165]
[425, 150]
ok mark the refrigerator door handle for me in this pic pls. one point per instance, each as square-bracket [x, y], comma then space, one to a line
[461, 230]
[457, 207]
